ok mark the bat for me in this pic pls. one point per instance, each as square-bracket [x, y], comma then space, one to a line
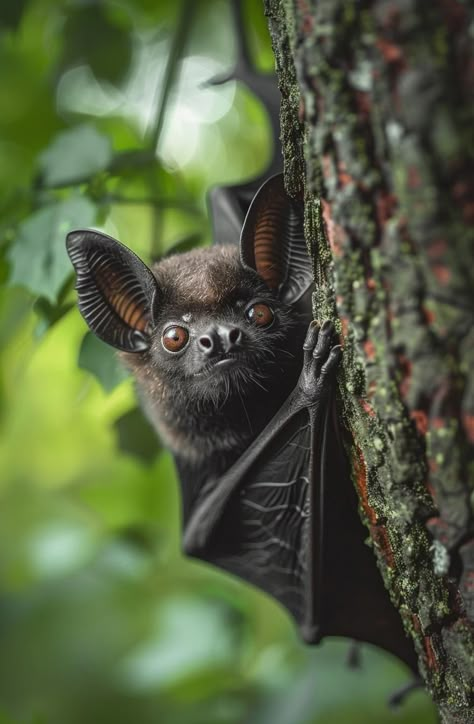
[239, 382]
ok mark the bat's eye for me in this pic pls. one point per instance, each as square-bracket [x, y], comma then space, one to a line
[260, 314]
[174, 339]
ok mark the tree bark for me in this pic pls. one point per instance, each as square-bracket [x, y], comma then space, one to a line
[377, 131]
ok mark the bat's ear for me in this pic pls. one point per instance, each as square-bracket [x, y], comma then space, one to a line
[272, 241]
[116, 289]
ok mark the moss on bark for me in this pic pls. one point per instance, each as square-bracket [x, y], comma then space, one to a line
[377, 118]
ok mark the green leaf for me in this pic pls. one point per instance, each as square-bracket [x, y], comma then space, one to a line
[15, 306]
[192, 636]
[49, 314]
[77, 153]
[11, 13]
[38, 255]
[99, 36]
[5, 719]
[258, 37]
[136, 436]
[101, 360]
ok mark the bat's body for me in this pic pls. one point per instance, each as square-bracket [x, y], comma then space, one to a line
[240, 386]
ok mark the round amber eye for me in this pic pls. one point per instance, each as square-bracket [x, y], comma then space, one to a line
[174, 339]
[260, 314]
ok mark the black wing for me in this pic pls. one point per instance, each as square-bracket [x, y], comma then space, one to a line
[263, 535]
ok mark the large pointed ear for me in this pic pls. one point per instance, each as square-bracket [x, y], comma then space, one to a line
[116, 289]
[272, 241]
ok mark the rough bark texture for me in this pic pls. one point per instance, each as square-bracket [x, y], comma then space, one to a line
[377, 129]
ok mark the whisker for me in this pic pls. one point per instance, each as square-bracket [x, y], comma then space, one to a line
[245, 410]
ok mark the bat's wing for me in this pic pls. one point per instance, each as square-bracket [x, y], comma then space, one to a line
[285, 519]
[263, 534]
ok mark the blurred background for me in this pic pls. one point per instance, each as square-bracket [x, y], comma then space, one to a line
[108, 119]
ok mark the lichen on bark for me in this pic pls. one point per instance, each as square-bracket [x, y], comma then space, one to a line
[377, 118]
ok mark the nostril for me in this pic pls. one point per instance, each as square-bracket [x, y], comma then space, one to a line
[205, 342]
[234, 335]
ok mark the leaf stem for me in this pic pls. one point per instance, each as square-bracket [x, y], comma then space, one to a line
[163, 90]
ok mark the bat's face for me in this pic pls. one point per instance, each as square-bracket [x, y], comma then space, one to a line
[219, 331]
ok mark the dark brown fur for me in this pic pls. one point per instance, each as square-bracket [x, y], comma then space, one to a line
[200, 278]
[210, 283]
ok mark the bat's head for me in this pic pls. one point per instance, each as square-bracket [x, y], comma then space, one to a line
[218, 329]
[210, 323]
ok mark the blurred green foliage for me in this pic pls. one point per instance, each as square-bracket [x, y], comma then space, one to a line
[107, 121]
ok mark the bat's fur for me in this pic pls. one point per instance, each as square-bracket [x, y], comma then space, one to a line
[208, 416]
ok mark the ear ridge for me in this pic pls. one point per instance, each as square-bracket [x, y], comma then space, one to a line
[299, 268]
[268, 255]
[116, 290]
[272, 241]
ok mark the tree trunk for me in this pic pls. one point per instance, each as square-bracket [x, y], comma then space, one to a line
[377, 130]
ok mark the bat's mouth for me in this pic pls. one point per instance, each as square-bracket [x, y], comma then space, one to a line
[225, 362]
[220, 364]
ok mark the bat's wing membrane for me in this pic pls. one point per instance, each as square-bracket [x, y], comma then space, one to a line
[257, 522]
[286, 521]
[263, 533]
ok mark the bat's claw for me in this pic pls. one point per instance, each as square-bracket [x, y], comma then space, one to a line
[311, 339]
[321, 358]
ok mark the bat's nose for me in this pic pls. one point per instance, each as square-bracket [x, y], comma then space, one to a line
[219, 338]
[230, 337]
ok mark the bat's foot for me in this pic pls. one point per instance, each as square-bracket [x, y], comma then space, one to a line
[321, 358]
